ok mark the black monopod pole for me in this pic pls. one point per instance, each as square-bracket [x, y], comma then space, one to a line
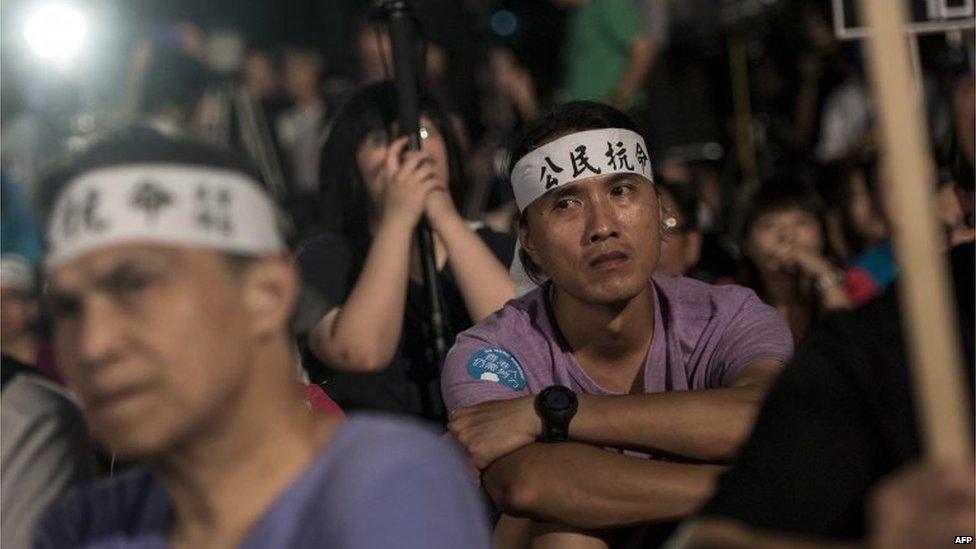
[406, 77]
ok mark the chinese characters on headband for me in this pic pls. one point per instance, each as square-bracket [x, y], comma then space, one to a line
[178, 205]
[213, 209]
[617, 155]
[581, 162]
[82, 213]
[641, 157]
[85, 210]
[149, 197]
[551, 180]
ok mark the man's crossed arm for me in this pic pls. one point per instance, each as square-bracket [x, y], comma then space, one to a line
[585, 486]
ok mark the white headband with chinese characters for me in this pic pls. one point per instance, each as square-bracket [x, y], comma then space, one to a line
[162, 203]
[576, 157]
[571, 158]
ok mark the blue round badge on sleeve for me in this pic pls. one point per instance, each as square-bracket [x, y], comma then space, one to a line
[498, 366]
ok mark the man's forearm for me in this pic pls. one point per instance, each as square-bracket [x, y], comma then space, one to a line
[483, 281]
[587, 487]
[706, 425]
[703, 425]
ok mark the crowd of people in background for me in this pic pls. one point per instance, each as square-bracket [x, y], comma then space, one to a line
[258, 346]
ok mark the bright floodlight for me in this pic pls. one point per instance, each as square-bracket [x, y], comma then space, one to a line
[55, 32]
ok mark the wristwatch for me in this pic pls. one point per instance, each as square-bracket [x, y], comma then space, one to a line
[556, 406]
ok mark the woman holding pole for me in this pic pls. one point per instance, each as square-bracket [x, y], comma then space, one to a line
[363, 321]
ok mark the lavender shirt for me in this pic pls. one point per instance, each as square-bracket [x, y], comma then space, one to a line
[379, 482]
[704, 336]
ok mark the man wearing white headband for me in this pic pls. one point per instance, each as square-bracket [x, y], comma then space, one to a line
[172, 289]
[667, 371]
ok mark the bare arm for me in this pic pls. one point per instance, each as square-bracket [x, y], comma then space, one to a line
[706, 425]
[482, 279]
[642, 54]
[587, 487]
[363, 334]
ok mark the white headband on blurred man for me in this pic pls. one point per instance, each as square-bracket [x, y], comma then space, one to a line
[576, 157]
[162, 203]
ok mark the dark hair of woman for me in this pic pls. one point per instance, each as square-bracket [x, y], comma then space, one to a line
[344, 199]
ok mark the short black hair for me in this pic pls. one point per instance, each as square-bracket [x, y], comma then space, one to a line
[137, 144]
[575, 116]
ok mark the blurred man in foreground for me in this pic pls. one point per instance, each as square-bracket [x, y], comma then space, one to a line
[172, 289]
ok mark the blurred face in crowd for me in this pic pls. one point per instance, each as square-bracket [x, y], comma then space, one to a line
[371, 157]
[259, 75]
[155, 340]
[776, 235]
[598, 239]
[302, 72]
[680, 246]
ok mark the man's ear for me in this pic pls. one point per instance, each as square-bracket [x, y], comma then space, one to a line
[525, 241]
[270, 288]
[667, 220]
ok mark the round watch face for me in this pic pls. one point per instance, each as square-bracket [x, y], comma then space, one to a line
[558, 401]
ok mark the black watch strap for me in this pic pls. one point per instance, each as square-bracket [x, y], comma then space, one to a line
[556, 406]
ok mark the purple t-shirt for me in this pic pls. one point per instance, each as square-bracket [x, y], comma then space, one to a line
[704, 336]
[379, 482]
